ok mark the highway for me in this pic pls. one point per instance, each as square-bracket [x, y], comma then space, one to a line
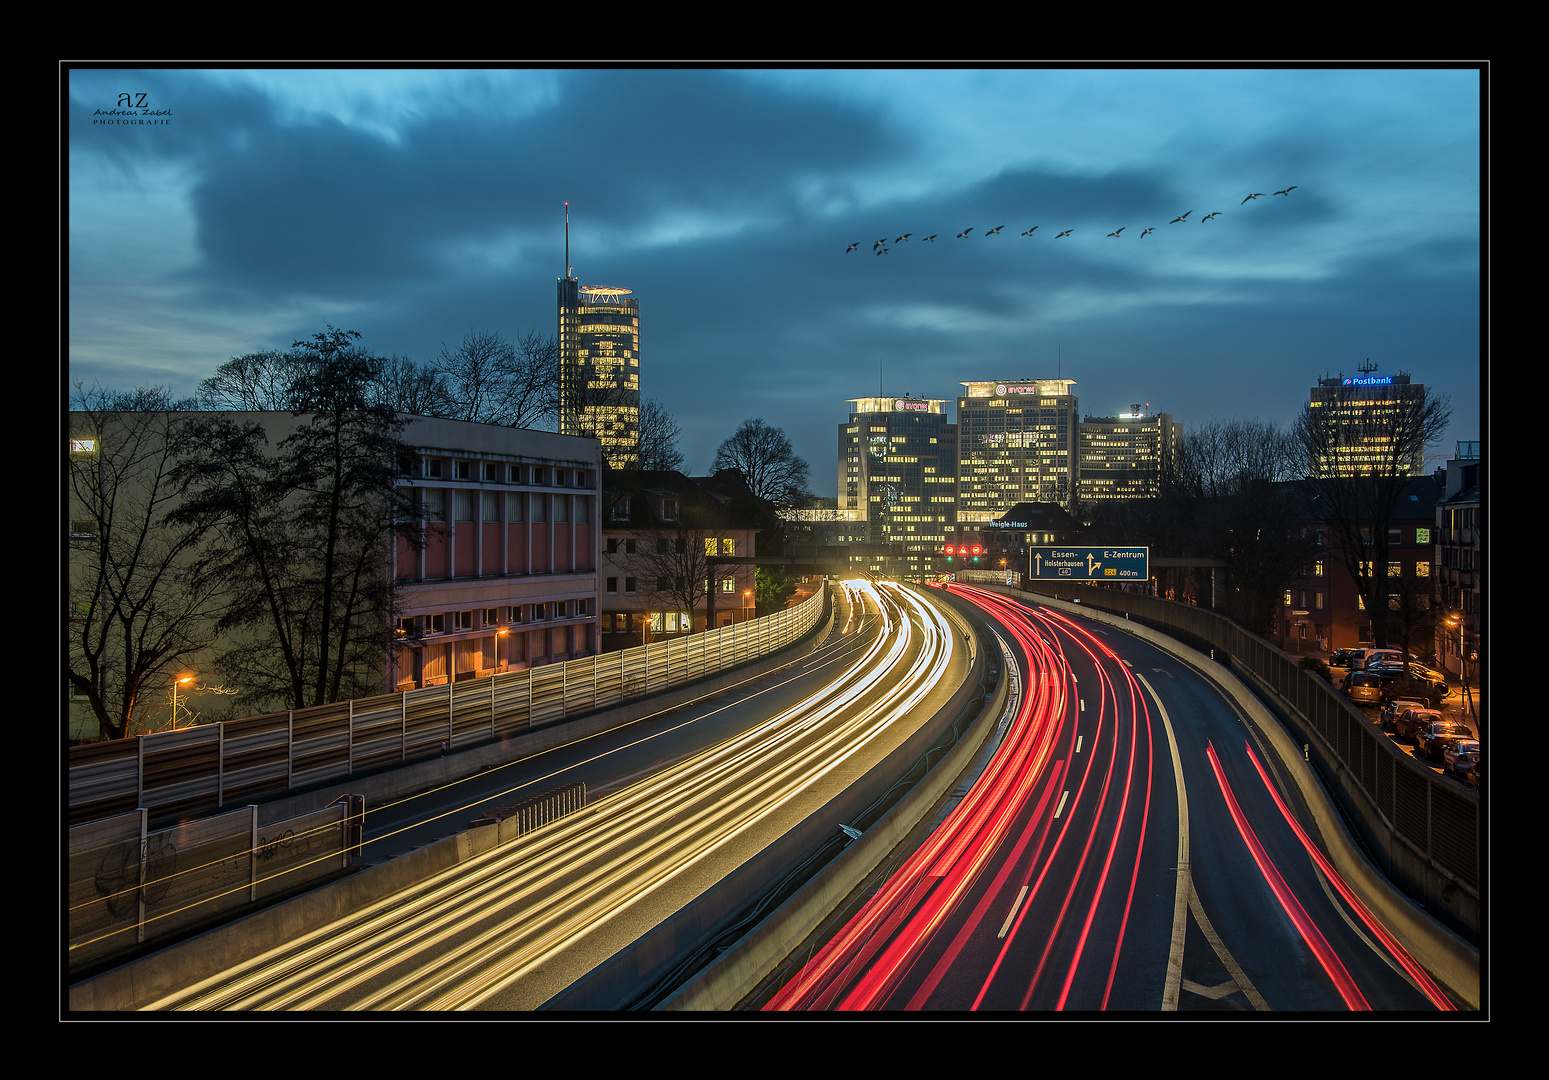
[1129, 847]
[510, 929]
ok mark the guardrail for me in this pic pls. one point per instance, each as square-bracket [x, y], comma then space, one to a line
[179, 774]
[129, 884]
[1424, 830]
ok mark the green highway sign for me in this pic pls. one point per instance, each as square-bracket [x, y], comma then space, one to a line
[1089, 563]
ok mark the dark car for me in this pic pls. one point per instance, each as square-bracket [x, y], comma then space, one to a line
[1348, 658]
[1433, 739]
[1461, 756]
[1407, 723]
[1395, 706]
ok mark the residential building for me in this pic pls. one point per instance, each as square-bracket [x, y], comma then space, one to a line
[1322, 610]
[676, 554]
[1459, 563]
[1018, 441]
[1364, 407]
[506, 577]
[599, 368]
[897, 467]
[1125, 456]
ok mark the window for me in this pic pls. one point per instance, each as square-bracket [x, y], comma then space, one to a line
[710, 546]
[581, 608]
[613, 585]
[1422, 536]
[629, 546]
[462, 470]
[462, 500]
[514, 473]
[540, 476]
[729, 585]
[562, 508]
[84, 529]
[489, 473]
[661, 545]
[669, 509]
[433, 468]
[491, 616]
[540, 508]
[1422, 569]
[663, 585]
[629, 584]
[491, 500]
[583, 512]
[435, 624]
[514, 614]
[728, 547]
[620, 510]
[406, 626]
[613, 545]
[462, 620]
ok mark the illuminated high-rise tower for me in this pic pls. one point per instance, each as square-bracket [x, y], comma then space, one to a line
[1367, 422]
[599, 364]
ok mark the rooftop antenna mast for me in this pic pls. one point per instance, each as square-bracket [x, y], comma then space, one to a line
[568, 269]
[1367, 367]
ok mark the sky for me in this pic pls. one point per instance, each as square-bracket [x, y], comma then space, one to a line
[217, 212]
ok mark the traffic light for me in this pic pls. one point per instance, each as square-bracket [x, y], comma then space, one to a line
[977, 551]
[947, 551]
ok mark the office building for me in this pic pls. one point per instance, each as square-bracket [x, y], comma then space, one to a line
[897, 465]
[1366, 409]
[1125, 456]
[1018, 441]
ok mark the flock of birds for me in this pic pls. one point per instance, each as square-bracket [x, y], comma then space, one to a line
[880, 247]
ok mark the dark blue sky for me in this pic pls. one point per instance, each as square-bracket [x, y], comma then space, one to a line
[415, 205]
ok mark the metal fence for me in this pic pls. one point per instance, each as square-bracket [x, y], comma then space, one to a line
[1423, 828]
[128, 884]
[178, 774]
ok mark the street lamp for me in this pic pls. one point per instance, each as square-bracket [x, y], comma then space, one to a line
[747, 602]
[186, 677]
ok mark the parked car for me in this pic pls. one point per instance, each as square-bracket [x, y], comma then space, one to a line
[1433, 739]
[1363, 688]
[1461, 756]
[1381, 656]
[1348, 658]
[1397, 705]
[1409, 722]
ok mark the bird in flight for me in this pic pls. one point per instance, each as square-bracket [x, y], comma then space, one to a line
[995, 230]
[904, 237]
[1252, 195]
[1067, 232]
[882, 251]
[1180, 217]
[852, 247]
[1117, 231]
[1143, 235]
[1030, 232]
[1207, 217]
[965, 232]
[1288, 190]
[878, 244]
[929, 238]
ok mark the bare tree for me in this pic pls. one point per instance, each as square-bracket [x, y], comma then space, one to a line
[255, 382]
[139, 613]
[301, 531]
[492, 381]
[659, 434]
[768, 463]
[407, 386]
[1226, 497]
[1355, 496]
[675, 558]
